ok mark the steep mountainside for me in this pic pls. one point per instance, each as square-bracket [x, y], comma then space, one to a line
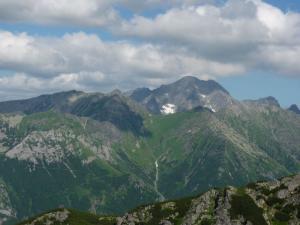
[114, 108]
[49, 159]
[42, 103]
[262, 203]
[107, 154]
[199, 149]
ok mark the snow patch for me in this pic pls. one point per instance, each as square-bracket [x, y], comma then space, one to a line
[168, 109]
[210, 107]
[203, 96]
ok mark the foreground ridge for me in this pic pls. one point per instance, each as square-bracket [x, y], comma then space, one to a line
[261, 203]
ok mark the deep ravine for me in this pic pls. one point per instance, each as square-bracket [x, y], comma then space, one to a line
[160, 195]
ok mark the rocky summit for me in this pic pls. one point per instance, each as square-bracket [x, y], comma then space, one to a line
[294, 108]
[261, 203]
[108, 153]
[184, 94]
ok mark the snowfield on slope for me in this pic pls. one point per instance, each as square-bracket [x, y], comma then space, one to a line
[168, 109]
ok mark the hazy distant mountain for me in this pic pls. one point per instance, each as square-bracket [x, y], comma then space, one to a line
[294, 108]
[113, 107]
[279, 200]
[268, 101]
[106, 153]
[40, 104]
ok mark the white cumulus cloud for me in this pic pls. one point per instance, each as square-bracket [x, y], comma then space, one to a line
[251, 33]
[187, 37]
[84, 61]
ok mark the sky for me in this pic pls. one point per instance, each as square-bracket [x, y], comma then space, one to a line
[251, 47]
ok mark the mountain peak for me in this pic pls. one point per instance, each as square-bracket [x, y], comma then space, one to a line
[184, 94]
[204, 86]
[140, 93]
[270, 101]
[115, 92]
[188, 79]
[294, 108]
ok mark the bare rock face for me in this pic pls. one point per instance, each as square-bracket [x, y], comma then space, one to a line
[222, 209]
[257, 204]
[200, 207]
[6, 209]
[165, 222]
[292, 183]
[33, 148]
[58, 217]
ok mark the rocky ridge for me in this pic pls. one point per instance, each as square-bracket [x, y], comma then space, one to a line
[261, 203]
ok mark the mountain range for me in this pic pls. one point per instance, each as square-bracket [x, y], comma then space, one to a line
[261, 203]
[108, 153]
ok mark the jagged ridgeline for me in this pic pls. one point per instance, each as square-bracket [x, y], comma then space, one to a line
[262, 203]
[108, 153]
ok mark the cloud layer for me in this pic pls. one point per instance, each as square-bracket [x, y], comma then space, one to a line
[75, 12]
[94, 13]
[253, 34]
[182, 38]
[86, 62]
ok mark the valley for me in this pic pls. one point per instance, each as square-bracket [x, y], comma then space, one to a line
[109, 153]
[261, 203]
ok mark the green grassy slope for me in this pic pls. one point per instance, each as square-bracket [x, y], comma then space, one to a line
[259, 203]
[96, 166]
